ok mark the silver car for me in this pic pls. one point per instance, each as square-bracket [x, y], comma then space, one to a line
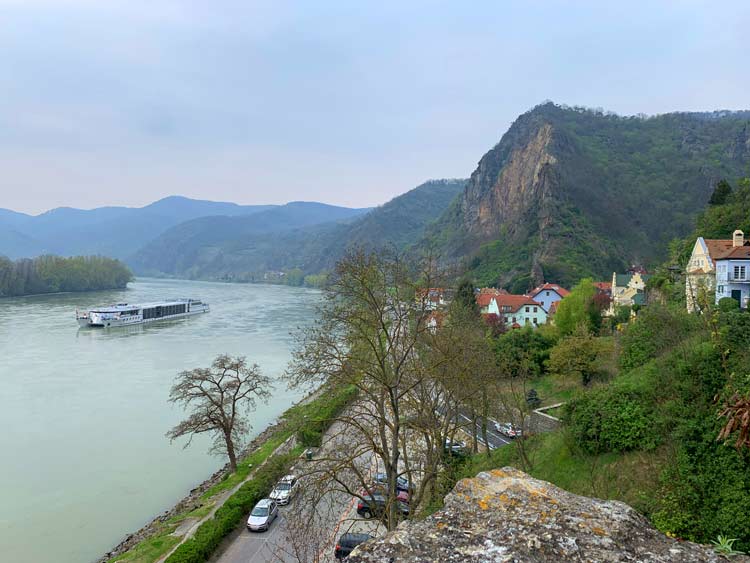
[262, 515]
[284, 490]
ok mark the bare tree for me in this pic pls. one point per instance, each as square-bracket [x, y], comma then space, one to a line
[220, 397]
[368, 336]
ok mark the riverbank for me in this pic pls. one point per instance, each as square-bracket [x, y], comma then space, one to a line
[157, 538]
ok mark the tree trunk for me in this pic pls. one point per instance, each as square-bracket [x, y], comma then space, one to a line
[230, 452]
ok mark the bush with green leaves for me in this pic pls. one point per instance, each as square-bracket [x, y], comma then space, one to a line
[524, 350]
[313, 419]
[728, 304]
[656, 329]
[611, 419]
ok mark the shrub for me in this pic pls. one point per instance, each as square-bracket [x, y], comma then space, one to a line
[656, 329]
[314, 418]
[610, 419]
[728, 304]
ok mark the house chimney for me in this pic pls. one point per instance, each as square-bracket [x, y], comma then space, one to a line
[738, 238]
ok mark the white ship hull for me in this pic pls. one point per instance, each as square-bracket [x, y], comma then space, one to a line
[126, 315]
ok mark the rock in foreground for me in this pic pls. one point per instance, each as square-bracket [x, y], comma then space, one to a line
[506, 515]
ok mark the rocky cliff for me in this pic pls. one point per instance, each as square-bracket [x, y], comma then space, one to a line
[571, 192]
[505, 515]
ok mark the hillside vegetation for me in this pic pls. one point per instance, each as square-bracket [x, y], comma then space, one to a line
[657, 407]
[569, 193]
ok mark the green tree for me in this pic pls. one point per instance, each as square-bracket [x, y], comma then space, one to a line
[575, 357]
[722, 191]
[579, 308]
[465, 297]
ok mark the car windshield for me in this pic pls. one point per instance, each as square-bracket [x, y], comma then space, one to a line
[283, 487]
[259, 511]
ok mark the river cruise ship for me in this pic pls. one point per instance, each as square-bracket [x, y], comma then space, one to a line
[123, 314]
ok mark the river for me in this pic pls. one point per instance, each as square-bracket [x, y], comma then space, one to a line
[83, 412]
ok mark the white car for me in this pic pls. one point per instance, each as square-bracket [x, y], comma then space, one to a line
[262, 515]
[508, 429]
[285, 489]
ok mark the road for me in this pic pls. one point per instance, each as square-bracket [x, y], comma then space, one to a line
[495, 439]
[336, 515]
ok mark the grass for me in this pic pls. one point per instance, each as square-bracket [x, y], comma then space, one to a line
[149, 550]
[552, 390]
[630, 477]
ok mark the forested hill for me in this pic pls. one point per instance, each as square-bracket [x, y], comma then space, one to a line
[109, 231]
[569, 192]
[248, 247]
[52, 274]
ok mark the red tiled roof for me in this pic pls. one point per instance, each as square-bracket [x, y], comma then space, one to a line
[515, 302]
[552, 287]
[604, 286]
[515, 325]
[717, 247]
[484, 299]
[736, 253]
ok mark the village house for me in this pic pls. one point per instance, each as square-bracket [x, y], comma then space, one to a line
[484, 297]
[733, 271]
[434, 298]
[517, 310]
[700, 273]
[548, 294]
[628, 289]
[604, 288]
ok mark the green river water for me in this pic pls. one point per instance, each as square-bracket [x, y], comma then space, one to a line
[83, 457]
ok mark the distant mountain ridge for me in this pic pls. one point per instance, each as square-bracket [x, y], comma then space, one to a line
[569, 192]
[244, 248]
[111, 231]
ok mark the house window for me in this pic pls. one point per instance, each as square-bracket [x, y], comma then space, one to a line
[527, 309]
[547, 293]
[535, 309]
[720, 289]
[528, 320]
[514, 319]
[535, 320]
[739, 272]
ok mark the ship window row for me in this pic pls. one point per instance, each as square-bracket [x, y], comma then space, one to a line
[163, 311]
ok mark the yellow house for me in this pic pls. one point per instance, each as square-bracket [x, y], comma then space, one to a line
[700, 273]
[628, 289]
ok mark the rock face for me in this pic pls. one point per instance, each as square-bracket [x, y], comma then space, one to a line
[505, 515]
[569, 193]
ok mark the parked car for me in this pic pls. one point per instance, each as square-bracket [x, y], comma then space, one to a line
[374, 505]
[508, 429]
[347, 542]
[402, 484]
[285, 490]
[262, 515]
[456, 448]
[380, 489]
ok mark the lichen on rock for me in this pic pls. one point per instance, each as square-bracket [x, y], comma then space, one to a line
[505, 515]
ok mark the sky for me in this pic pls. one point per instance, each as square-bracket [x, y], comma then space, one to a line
[123, 102]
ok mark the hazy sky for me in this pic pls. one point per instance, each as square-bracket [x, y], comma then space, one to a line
[124, 102]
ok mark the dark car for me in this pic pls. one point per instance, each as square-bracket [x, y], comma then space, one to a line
[374, 505]
[457, 448]
[347, 542]
[380, 489]
[402, 484]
